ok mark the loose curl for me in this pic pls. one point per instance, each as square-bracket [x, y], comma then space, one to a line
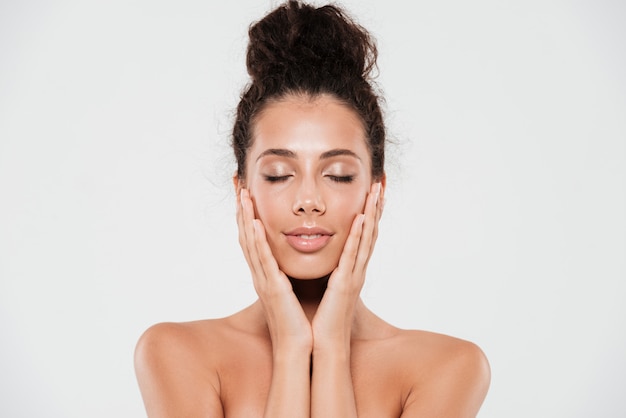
[301, 50]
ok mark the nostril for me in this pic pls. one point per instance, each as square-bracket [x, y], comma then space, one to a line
[309, 205]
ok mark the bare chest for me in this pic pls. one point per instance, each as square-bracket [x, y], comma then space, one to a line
[246, 373]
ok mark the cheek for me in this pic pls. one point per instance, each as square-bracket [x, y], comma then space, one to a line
[267, 207]
[353, 201]
[348, 207]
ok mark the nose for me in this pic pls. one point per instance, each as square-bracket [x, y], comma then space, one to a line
[308, 200]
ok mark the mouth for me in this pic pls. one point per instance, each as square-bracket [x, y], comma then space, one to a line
[309, 236]
[308, 240]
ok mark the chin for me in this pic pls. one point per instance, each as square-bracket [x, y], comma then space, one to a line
[307, 278]
[307, 270]
[299, 274]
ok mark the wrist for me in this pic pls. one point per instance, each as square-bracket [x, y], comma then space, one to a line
[291, 348]
[289, 362]
[335, 349]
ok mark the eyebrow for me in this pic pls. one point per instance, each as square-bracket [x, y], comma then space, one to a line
[338, 152]
[281, 152]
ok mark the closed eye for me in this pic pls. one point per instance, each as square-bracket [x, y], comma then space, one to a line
[276, 179]
[341, 179]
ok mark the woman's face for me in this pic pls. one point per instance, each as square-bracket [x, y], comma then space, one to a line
[308, 174]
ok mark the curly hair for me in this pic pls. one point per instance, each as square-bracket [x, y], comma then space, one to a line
[298, 49]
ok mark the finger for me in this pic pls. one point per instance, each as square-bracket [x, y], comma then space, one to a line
[241, 230]
[267, 260]
[380, 203]
[249, 234]
[370, 230]
[351, 247]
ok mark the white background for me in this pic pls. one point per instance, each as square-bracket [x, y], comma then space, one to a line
[506, 214]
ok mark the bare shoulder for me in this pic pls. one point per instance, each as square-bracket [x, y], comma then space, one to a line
[176, 360]
[442, 352]
[165, 337]
[448, 376]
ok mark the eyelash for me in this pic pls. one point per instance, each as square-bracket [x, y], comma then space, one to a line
[337, 179]
[342, 179]
[276, 179]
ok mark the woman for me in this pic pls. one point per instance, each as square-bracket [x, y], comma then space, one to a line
[309, 143]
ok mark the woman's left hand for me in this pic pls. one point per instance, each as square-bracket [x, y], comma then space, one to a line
[332, 324]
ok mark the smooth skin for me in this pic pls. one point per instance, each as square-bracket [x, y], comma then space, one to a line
[308, 347]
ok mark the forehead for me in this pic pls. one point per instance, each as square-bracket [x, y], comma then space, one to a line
[308, 126]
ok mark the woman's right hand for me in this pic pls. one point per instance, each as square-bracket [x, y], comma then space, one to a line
[288, 325]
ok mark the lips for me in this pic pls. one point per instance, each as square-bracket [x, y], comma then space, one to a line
[308, 240]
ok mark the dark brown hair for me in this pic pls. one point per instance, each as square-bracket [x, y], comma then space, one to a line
[302, 50]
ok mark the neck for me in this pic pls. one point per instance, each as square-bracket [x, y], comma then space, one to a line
[311, 290]
[309, 293]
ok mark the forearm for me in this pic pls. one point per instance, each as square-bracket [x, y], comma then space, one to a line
[290, 390]
[332, 393]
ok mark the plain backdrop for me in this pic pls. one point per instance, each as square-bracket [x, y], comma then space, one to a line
[505, 221]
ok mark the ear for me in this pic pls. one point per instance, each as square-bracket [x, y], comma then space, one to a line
[383, 186]
[237, 183]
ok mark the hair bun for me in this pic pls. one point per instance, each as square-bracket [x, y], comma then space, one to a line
[299, 42]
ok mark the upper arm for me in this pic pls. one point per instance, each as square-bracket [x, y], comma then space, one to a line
[174, 377]
[454, 387]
